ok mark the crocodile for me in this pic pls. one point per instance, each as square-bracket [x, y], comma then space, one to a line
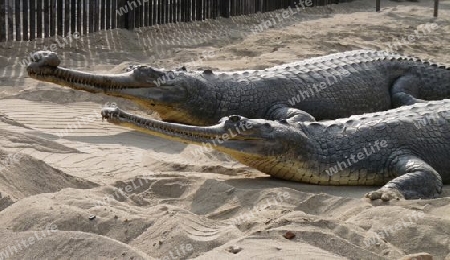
[328, 87]
[405, 149]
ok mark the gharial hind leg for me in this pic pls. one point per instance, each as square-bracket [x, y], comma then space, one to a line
[417, 180]
[405, 90]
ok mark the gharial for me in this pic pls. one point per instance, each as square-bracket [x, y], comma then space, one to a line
[406, 148]
[328, 87]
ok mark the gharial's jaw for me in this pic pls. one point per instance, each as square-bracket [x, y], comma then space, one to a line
[174, 131]
[233, 135]
[140, 82]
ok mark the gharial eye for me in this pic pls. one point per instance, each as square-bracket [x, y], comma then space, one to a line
[267, 125]
[234, 119]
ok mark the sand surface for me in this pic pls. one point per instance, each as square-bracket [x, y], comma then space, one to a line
[104, 192]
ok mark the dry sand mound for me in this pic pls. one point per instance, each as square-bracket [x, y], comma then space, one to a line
[31, 177]
[64, 245]
[112, 193]
[23, 176]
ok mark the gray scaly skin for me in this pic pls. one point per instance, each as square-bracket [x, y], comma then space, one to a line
[407, 148]
[328, 87]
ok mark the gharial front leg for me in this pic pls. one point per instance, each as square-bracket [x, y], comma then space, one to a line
[417, 180]
[283, 112]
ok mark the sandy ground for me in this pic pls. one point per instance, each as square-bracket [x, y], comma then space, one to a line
[105, 192]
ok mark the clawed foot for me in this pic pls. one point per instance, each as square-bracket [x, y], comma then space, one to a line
[385, 194]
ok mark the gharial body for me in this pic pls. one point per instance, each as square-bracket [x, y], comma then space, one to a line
[405, 149]
[328, 87]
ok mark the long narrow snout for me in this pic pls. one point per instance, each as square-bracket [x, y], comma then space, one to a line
[45, 67]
